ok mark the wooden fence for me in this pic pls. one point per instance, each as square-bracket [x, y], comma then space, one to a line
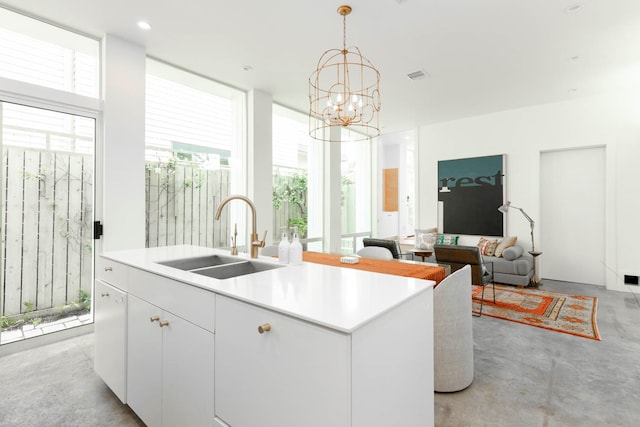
[46, 235]
[181, 201]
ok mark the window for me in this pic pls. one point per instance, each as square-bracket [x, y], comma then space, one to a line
[297, 178]
[41, 54]
[194, 157]
[356, 193]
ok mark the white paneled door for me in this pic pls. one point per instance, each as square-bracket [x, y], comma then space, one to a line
[572, 206]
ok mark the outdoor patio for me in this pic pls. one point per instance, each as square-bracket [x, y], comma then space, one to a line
[29, 330]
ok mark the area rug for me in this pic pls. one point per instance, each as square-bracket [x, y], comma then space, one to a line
[571, 314]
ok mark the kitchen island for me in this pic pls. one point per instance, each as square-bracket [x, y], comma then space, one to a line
[291, 345]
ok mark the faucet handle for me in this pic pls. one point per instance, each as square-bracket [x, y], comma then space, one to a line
[264, 239]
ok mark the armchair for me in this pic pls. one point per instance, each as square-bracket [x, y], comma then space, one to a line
[459, 256]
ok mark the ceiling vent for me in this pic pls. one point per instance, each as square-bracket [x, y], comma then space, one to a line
[417, 75]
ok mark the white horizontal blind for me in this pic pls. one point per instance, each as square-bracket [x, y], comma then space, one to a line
[176, 113]
[32, 60]
[290, 142]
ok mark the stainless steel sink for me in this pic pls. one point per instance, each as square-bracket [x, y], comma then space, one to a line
[234, 270]
[200, 262]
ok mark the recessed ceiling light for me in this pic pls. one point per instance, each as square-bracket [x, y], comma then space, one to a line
[144, 25]
[574, 8]
[247, 68]
[575, 58]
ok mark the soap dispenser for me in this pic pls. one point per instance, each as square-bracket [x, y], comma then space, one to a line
[295, 248]
[283, 247]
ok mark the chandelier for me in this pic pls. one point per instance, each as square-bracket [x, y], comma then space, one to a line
[344, 90]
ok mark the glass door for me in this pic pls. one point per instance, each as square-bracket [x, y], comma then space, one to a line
[46, 199]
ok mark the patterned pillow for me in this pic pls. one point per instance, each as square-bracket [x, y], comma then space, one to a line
[505, 243]
[487, 247]
[425, 239]
[444, 239]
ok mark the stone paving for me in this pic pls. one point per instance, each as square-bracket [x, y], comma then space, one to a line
[29, 330]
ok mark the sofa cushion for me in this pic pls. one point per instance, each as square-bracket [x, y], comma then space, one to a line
[447, 239]
[512, 253]
[487, 247]
[505, 243]
[520, 267]
[425, 239]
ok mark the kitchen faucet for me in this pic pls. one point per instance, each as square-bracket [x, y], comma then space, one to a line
[255, 243]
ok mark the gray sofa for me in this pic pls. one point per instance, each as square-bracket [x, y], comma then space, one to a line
[514, 267]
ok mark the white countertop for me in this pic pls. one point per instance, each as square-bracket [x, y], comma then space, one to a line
[338, 298]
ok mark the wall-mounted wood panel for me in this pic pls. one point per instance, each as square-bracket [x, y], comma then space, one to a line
[390, 184]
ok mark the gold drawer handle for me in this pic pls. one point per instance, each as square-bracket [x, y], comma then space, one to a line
[105, 294]
[164, 323]
[154, 319]
[108, 269]
[264, 328]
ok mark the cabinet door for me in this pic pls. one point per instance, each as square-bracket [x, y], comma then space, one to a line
[111, 337]
[187, 374]
[144, 350]
[296, 374]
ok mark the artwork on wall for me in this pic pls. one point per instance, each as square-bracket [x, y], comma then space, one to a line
[470, 191]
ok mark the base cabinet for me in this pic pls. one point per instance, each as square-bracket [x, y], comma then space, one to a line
[110, 337]
[292, 374]
[170, 368]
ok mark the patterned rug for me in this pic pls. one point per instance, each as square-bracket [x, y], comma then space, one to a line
[571, 314]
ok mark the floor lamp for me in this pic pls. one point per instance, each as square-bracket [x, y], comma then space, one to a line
[504, 209]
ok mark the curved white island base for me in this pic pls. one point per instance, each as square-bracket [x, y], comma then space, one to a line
[338, 347]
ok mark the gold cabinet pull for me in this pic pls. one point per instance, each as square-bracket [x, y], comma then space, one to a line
[108, 269]
[105, 294]
[164, 323]
[154, 318]
[264, 328]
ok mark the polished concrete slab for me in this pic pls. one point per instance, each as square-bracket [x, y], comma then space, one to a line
[527, 376]
[524, 376]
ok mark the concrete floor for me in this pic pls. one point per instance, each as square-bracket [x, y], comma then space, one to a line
[524, 376]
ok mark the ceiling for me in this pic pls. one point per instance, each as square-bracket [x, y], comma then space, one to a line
[481, 56]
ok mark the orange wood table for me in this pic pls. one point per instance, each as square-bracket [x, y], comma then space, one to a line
[397, 268]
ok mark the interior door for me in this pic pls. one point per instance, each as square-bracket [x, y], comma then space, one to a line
[572, 194]
[47, 197]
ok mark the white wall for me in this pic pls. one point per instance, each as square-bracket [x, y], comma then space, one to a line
[392, 153]
[612, 120]
[123, 197]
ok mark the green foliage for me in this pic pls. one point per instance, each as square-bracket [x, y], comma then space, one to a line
[84, 300]
[7, 322]
[29, 306]
[293, 191]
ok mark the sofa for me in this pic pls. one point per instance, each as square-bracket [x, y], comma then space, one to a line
[514, 267]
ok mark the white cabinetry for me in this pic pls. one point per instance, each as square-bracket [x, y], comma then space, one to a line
[299, 374]
[111, 337]
[110, 325]
[170, 359]
[295, 374]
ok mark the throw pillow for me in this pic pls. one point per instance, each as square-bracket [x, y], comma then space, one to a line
[505, 243]
[512, 253]
[487, 247]
[425, 239]
[444, 239]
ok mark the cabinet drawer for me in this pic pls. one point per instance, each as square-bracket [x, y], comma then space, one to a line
[112, 272]
[189, 302]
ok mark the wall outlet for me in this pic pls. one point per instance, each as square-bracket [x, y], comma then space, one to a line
[630, 280]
